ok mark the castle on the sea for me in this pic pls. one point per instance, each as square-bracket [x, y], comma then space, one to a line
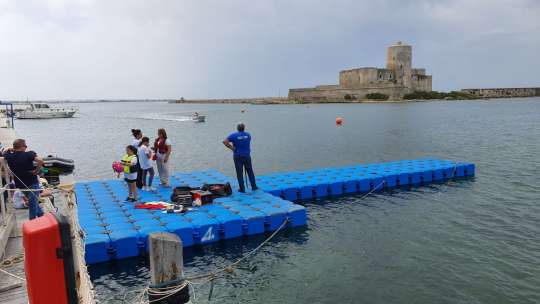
[396, 80]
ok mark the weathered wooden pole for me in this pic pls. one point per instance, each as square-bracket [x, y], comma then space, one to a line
[166, 269]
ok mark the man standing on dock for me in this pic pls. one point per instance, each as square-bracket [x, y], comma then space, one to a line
[239, 142]
[25, 174]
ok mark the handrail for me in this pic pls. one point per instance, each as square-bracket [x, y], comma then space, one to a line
[4, 176]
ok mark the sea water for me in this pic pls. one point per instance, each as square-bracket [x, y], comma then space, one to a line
[469, 241]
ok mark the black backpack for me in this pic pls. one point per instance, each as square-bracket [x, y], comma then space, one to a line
[181, 196]
[218, 190]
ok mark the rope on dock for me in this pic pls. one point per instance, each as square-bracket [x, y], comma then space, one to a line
[230, 267]
[13, 260]
[12, 275]
[211, 276]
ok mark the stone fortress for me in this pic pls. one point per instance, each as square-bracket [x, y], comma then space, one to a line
[396, 80]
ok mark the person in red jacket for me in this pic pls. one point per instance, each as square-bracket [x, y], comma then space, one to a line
[163, 149]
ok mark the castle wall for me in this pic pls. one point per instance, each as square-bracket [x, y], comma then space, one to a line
[366, 77]
[386, 75]
[330, 95]
[357, 78]
[504, 92]
[419, 71]
[327, 86]
[421, 83]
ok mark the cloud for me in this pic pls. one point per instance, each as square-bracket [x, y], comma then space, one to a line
[58, 49]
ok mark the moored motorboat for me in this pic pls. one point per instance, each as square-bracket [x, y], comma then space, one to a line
[44, 111]
[55, 167]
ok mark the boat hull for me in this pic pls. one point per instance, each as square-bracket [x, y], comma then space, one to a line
[45, 114]
[200, 118]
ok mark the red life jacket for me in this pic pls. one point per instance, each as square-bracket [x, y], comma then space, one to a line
[160, 146]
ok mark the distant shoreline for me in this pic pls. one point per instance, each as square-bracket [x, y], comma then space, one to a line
[254, 101]
[278, 101]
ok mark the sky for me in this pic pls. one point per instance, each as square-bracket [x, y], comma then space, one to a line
[167, 49]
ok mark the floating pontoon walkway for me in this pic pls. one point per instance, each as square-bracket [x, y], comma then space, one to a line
[116, 230]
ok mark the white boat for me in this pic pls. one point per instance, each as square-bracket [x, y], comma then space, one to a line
[198, 118]
[44, 111]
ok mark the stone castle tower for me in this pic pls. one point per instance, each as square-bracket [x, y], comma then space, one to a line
[399, 62]
[396, 80]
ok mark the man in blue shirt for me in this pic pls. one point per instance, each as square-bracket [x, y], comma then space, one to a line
[239, 143]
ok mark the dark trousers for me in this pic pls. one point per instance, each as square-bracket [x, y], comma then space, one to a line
[241, 162]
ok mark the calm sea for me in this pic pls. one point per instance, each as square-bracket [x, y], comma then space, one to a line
[471, 241]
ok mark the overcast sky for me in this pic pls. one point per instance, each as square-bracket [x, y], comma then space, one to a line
[82, 49]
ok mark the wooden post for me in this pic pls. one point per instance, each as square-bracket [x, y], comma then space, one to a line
[166, 267]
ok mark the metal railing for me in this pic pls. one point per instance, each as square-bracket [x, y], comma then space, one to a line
[4, 180]
[10, 114]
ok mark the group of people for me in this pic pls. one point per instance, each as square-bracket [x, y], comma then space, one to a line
[137, 165]
[138, 161]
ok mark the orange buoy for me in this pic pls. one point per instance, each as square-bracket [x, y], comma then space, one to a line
[339, 121]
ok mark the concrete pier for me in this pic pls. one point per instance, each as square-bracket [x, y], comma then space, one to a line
[13, 288]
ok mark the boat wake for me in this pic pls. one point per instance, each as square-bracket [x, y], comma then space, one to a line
[160, 116]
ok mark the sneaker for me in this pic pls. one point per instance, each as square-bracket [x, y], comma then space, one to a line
[241, 191]
[152, 189]
[255, 189]
[128, 199]
[131, 199]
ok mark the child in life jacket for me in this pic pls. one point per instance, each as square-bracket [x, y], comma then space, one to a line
[131, 166]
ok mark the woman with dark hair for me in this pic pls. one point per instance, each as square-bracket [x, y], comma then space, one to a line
[137, 136]
[162, 148]
[145, 159]
[131, 166]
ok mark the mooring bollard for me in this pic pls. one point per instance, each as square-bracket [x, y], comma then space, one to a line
[166, 269]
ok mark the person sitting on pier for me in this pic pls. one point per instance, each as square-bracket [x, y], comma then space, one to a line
[25, 174]
[20, 201]
[239, 142]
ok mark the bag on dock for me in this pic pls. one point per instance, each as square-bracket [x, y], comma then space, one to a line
[218, 190]
[182, 196]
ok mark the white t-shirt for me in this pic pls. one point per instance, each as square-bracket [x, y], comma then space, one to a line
[167, 143]
[132, 176]
[135, 142]
[144, 157]
[18, 200]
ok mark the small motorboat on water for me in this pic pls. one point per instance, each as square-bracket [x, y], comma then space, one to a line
[55, 167]
[198, 118]
[44, 111]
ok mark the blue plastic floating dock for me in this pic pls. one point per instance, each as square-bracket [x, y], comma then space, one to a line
[116, 230]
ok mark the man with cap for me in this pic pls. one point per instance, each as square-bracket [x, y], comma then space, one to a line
[239, 142]
[25, 167]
